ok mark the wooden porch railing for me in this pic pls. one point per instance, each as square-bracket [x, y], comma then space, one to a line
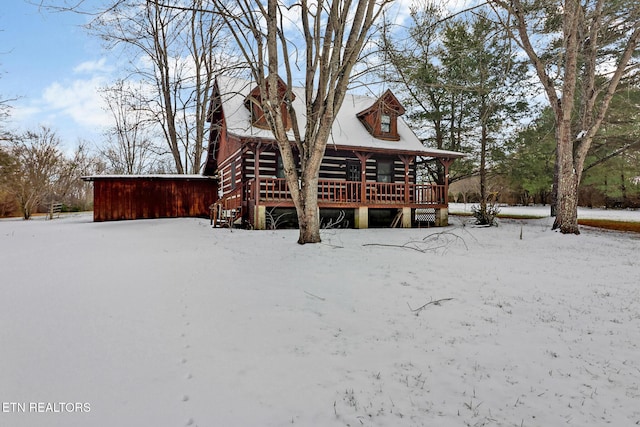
[336, 191]
[228, 208]
[233, 200]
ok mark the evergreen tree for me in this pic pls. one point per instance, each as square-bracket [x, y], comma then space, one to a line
[431, 89]
[530, 164]
[612, 164]
[465, 83]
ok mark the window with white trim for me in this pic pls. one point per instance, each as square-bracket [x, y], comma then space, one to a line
[385, 123]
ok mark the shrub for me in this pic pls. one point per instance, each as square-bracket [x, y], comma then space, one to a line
[486, 216]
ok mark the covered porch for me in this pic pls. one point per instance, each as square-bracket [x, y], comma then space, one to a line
[260, 193]
[268, 193]
[252, 200]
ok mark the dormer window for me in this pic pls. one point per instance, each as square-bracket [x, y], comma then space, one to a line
[381, 119]
[385, 123]
[257, 115]
[253, 102]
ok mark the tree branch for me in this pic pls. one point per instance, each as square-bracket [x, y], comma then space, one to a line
[436, 302]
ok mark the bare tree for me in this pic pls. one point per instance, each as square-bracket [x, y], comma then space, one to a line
[580, 72]
[69, 188]
[7, 171]
[34, 171]
[38, 165]
[130, 148]
[7, 163]
[324, 39]
[5, 109]
[176, 51]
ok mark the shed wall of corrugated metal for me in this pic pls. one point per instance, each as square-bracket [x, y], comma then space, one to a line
[143, 198]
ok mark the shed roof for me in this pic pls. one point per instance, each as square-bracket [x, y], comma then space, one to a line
[148, 177]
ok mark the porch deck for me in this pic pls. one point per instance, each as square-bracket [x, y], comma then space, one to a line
[350, 194]
[332, 194]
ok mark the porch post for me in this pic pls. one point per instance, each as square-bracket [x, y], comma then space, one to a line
[442, 217]
[260, 217]
[406, 217]
[363, 175]
[361, 217]
[361, 213]
[257, 149]
[406, 160]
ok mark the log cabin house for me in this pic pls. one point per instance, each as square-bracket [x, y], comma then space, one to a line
[368, 173]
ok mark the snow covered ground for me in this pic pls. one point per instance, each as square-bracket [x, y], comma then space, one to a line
[172, 323]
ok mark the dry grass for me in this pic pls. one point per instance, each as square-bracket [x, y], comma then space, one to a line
[598, 223]
[520, 216]
[611, 224]
[502, 216]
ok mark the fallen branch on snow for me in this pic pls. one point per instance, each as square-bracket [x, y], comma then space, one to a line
[407, 245]
[431, 243]
[436, 302]
[315, 296]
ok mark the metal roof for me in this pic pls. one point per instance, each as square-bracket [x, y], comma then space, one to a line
[347, 131]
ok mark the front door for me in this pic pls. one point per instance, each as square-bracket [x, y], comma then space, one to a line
[354, 171]
[354, 174]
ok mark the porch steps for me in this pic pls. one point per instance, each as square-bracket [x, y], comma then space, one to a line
[221, 217]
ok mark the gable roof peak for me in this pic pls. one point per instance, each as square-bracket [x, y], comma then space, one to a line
[387, 102]
[390, 100]
[282, 89]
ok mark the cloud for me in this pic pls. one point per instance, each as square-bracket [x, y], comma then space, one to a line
[22, 113]
[90, 67]
[73, 107]
[78, 99]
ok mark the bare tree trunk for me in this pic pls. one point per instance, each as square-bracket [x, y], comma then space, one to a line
[308, 214]
[581, 28]
[567, 197]
[306, 200]
[334, 33]
[567, 214]
[483, 164]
